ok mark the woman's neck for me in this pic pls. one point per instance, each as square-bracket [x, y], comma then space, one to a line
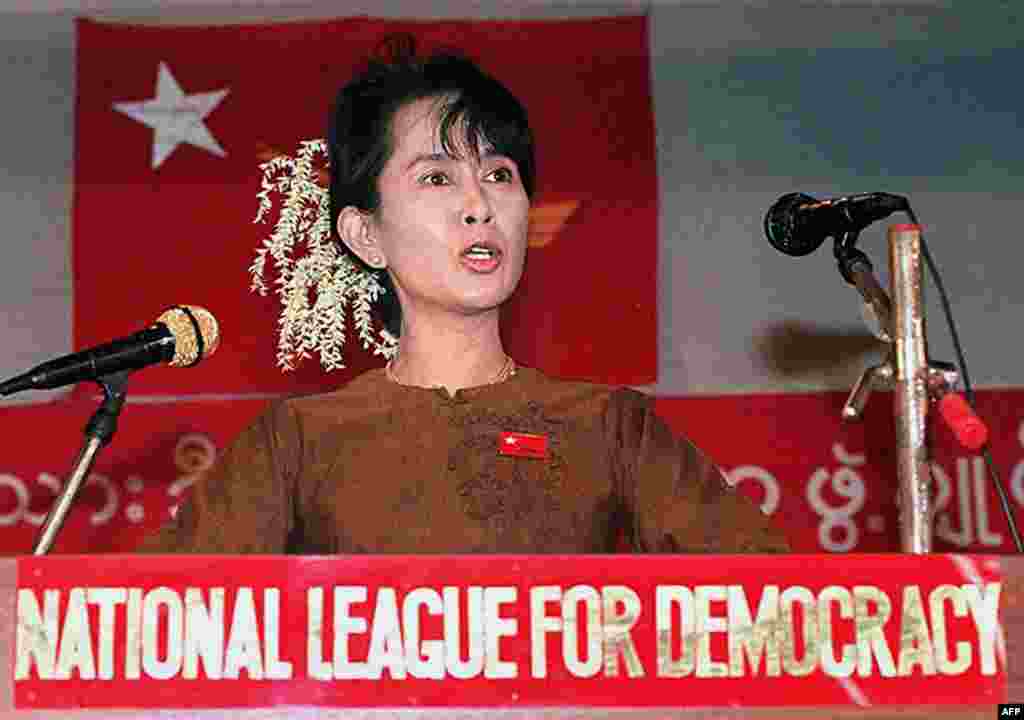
[459, 353]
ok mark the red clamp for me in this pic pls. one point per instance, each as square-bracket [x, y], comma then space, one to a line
[963, 421]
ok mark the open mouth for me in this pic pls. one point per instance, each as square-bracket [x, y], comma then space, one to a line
[481, 257]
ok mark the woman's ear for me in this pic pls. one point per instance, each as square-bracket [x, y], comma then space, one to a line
[355, 230]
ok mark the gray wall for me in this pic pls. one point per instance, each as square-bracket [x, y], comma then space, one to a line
[751, 101]
[755, 102]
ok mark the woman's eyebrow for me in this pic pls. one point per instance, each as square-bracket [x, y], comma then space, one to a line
[427, 157]
[487, 154]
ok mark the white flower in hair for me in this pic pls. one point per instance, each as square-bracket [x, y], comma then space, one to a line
[317, 283]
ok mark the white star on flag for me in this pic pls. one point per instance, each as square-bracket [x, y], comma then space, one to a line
[175, 117]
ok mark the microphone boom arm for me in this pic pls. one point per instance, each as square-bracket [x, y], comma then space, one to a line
[856, 269]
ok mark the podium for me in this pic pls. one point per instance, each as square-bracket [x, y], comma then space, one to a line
[612, 636]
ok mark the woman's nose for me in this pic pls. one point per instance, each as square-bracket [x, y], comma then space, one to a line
[476, 207]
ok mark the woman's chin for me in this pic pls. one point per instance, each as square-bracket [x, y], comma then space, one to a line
[487, 292]
[474, 303]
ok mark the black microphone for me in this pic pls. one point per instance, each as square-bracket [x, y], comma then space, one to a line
[182, 336]
[797, 224]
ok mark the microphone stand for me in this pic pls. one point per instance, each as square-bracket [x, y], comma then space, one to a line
[98, 433]
[906, 369]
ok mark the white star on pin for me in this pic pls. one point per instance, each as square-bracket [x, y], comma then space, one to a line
[175, 117]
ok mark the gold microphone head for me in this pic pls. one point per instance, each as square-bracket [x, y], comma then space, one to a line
[196, 333]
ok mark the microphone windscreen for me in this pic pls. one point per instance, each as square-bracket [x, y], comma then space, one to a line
[962, 420]
[784, 229]
[188, 350]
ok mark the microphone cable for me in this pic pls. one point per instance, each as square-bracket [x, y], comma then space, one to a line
[1004, 501]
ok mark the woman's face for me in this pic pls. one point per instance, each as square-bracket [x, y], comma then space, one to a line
[452, 230]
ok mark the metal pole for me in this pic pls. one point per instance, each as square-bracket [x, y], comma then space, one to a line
[98, 432]
[55, 518]
[911, 396]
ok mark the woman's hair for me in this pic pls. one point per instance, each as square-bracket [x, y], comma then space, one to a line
[360, 139]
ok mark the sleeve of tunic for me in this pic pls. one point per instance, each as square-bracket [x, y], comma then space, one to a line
[244, 503]
[675, 498]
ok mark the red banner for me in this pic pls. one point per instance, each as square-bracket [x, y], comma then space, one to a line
[833, 484]
[429, 631]
[166, 175]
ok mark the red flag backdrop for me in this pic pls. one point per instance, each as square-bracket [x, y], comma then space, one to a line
[159, 222]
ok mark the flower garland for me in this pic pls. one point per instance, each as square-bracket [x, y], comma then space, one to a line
[310, 266]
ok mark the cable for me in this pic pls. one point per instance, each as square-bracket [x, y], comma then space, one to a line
[1004, 501]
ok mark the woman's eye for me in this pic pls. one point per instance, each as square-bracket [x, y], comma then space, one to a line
[435, 178]
[503, 174]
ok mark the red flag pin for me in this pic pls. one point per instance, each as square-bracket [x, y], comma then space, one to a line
[523, 445]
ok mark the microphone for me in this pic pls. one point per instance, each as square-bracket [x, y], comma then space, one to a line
[797, 224]
[182, 336]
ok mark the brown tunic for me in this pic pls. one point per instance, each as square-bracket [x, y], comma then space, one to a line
[376, 467]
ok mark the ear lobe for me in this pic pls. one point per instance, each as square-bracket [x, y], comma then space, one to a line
[354, 230]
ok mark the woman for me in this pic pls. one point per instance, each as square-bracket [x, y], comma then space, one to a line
[452, 447]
